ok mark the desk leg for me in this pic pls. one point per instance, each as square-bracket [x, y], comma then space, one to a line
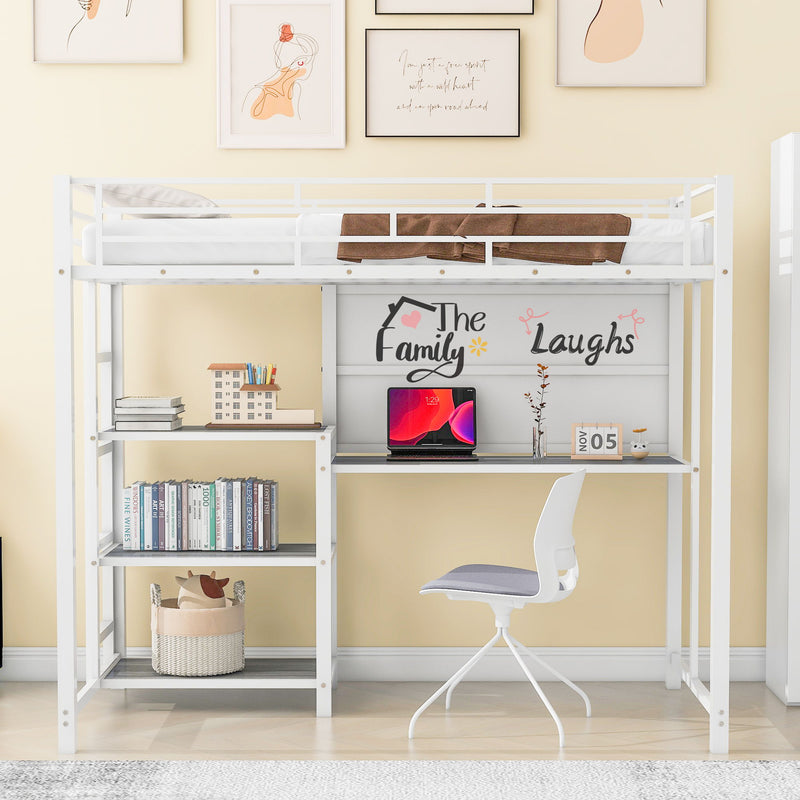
[672, 676]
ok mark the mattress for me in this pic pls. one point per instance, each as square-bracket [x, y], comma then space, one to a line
[242, 241]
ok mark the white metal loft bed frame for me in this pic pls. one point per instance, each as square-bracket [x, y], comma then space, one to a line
[103, 449]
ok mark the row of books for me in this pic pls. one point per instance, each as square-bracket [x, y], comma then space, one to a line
[229, 514]
[148, 413]
[260, 374]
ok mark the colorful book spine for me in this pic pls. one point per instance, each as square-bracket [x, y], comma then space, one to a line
[259, 490]
[147, 516]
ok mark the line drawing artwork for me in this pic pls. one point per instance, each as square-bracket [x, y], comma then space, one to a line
[616, 31]
[295, 54]
[90, 9]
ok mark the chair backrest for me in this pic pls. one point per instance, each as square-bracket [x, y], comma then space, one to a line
[553, 545]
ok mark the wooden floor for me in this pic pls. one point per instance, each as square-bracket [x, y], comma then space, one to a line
[487, 721]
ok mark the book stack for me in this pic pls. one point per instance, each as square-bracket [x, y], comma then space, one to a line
[147, 413]
[229, 514]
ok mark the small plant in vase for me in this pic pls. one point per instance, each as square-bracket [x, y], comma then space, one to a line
[537, 403]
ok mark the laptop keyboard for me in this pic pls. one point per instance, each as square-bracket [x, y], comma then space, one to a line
[431, 457]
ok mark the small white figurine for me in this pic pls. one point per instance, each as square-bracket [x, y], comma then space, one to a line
[639, 447]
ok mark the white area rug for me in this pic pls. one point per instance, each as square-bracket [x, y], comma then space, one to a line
[401, 780]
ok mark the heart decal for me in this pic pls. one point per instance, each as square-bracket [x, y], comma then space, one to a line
[411, 320]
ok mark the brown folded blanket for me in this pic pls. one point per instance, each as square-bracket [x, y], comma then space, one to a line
[487, 225]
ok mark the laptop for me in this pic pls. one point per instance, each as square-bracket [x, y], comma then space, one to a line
[431, 423]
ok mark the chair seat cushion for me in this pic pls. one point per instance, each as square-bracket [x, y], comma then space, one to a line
[488, 578]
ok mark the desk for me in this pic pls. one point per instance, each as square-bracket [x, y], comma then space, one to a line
[556, 465]
[673, 468]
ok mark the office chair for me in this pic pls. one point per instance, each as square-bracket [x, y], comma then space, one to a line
[507, 588]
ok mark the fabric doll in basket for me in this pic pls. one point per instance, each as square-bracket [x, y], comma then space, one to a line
[202, 591]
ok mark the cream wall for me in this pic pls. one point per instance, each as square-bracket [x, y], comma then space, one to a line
[151, 120]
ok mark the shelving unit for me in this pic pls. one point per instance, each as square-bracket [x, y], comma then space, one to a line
[103, 285]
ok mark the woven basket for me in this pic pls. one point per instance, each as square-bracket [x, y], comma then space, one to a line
[190, 642]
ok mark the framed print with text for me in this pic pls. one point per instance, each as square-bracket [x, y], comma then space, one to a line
[280, 74]
[453, 7]
[107, 31]
[630, 42]
[442, 82]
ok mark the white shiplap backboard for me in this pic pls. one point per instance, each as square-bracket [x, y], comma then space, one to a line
[606, 348]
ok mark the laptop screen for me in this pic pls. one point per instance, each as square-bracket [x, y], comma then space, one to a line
[430, 418]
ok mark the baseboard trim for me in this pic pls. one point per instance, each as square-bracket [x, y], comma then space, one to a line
[438, 663]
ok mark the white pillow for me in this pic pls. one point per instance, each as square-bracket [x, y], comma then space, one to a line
[133, 195]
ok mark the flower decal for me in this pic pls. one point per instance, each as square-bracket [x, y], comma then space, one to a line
[478, 346]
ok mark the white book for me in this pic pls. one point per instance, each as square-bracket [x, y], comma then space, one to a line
[237, 514]
[127, 518]
[260, 516]
[149, 413]
[195, 490]
[154, 425]
[205, 529]
[148, 516]
[172, 508]
[131, 401]
[136, 516]
[219, 512]
[190, 497]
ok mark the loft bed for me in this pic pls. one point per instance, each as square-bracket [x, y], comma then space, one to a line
[281, 231]
[291, 229]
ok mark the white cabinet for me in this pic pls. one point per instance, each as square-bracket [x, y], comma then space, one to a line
[783, 499]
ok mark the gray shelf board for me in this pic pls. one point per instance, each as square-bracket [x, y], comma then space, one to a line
[284, 551]
[254, 668]
[512, 463]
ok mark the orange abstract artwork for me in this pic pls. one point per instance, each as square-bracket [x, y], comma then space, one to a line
[279, 94]
[616, 31]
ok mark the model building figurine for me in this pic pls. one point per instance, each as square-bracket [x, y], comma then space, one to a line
[238, 399]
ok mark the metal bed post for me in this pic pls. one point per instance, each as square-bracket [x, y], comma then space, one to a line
[118, 456]
[325, 586]
[721, 430]
[65, 469]
[674, 548]
[91, 524]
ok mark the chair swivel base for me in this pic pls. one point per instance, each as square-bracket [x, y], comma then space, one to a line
[514, 646]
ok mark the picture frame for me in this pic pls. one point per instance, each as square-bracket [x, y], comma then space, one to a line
[108, 31]
[421, 7]
[280, 74]
[597, 442]
[442, 82]
[663, 46]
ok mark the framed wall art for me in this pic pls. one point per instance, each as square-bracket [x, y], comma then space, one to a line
[442, 82]
[453, 7]
[630, 42]
[280, 74]
[107, 31]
